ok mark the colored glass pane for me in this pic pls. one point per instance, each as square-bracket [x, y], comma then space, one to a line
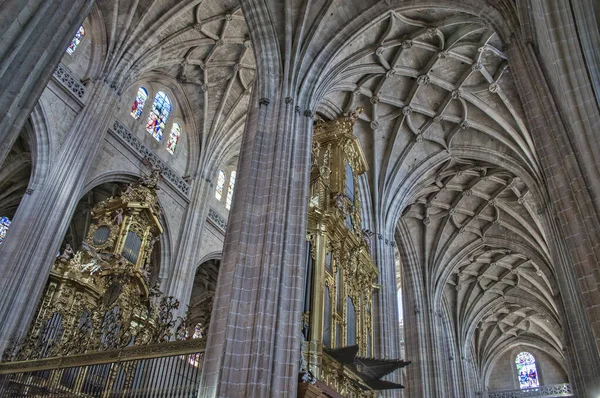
[527, 371]
[138, 103]
[230, 190]
[220, 183]
[76, 40]
[173, 138]
[161, 108]
[4, 224]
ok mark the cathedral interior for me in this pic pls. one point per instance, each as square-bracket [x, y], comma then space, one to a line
[311, 198]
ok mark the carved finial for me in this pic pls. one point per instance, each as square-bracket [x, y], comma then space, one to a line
[354, 115]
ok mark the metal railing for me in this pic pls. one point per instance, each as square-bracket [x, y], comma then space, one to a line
[556, 390]
[159, 370]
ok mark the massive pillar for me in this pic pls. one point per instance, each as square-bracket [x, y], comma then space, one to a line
[423, 331]
[27, 253]
[571, 219]
[33, 37]
[253, 346]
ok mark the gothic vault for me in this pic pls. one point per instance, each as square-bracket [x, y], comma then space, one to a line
[478, 200]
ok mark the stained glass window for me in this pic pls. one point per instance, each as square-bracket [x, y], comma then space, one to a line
[220, 183]
[138, 103]
[161, 108]
[173, 138]
[230, 190]
[4, 224]
[76, 40]
[527, 371]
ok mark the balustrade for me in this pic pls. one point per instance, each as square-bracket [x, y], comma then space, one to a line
[556, 390]
[157, 370]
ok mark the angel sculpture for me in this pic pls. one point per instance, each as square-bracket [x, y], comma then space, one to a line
[118, 218]
[98, 259]
[145, 274]
[67, 254]
[128, 190]
[152, 179]
[153, 241]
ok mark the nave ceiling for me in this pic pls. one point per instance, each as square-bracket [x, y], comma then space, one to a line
[450, 157]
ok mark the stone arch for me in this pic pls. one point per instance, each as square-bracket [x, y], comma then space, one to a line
[203, 290]
[42, 145]
[28, 163]
[99, 38]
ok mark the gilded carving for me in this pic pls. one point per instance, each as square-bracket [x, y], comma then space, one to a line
[335, 230]
[102, 296]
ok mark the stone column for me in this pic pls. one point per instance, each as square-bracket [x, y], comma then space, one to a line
[386, 326]
[423, 332]
[34, 35]
[253, 344]
[571, 219]
[183, 268]
[42, 219]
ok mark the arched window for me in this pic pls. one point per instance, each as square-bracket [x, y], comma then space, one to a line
[76, 40]
[230, 190]
[220, 183]
[138, 103]
[527, 371]
[173, 138]
[4, 224]
[161, 108]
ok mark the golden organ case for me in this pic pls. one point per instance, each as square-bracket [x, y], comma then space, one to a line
[340, 274]
[102, 296]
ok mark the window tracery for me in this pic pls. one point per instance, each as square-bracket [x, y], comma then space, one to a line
[76, 40]
[220, 184]
[138, 103]
[161, 108]
[4, 224]
[527, 371]
[173, 138]
[230, 190]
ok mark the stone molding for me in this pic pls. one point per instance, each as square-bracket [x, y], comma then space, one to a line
[143, 152]
[217, 220]
[69, 81]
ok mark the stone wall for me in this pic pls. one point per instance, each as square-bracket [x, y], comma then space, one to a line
[178, 161]
[79, 61]
[504, 375]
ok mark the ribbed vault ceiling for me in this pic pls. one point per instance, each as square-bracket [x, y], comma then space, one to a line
[450, 157]
[202, 46]
[451, 163]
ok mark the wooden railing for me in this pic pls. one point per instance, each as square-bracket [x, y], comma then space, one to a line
[556, 390]
[166, 369]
